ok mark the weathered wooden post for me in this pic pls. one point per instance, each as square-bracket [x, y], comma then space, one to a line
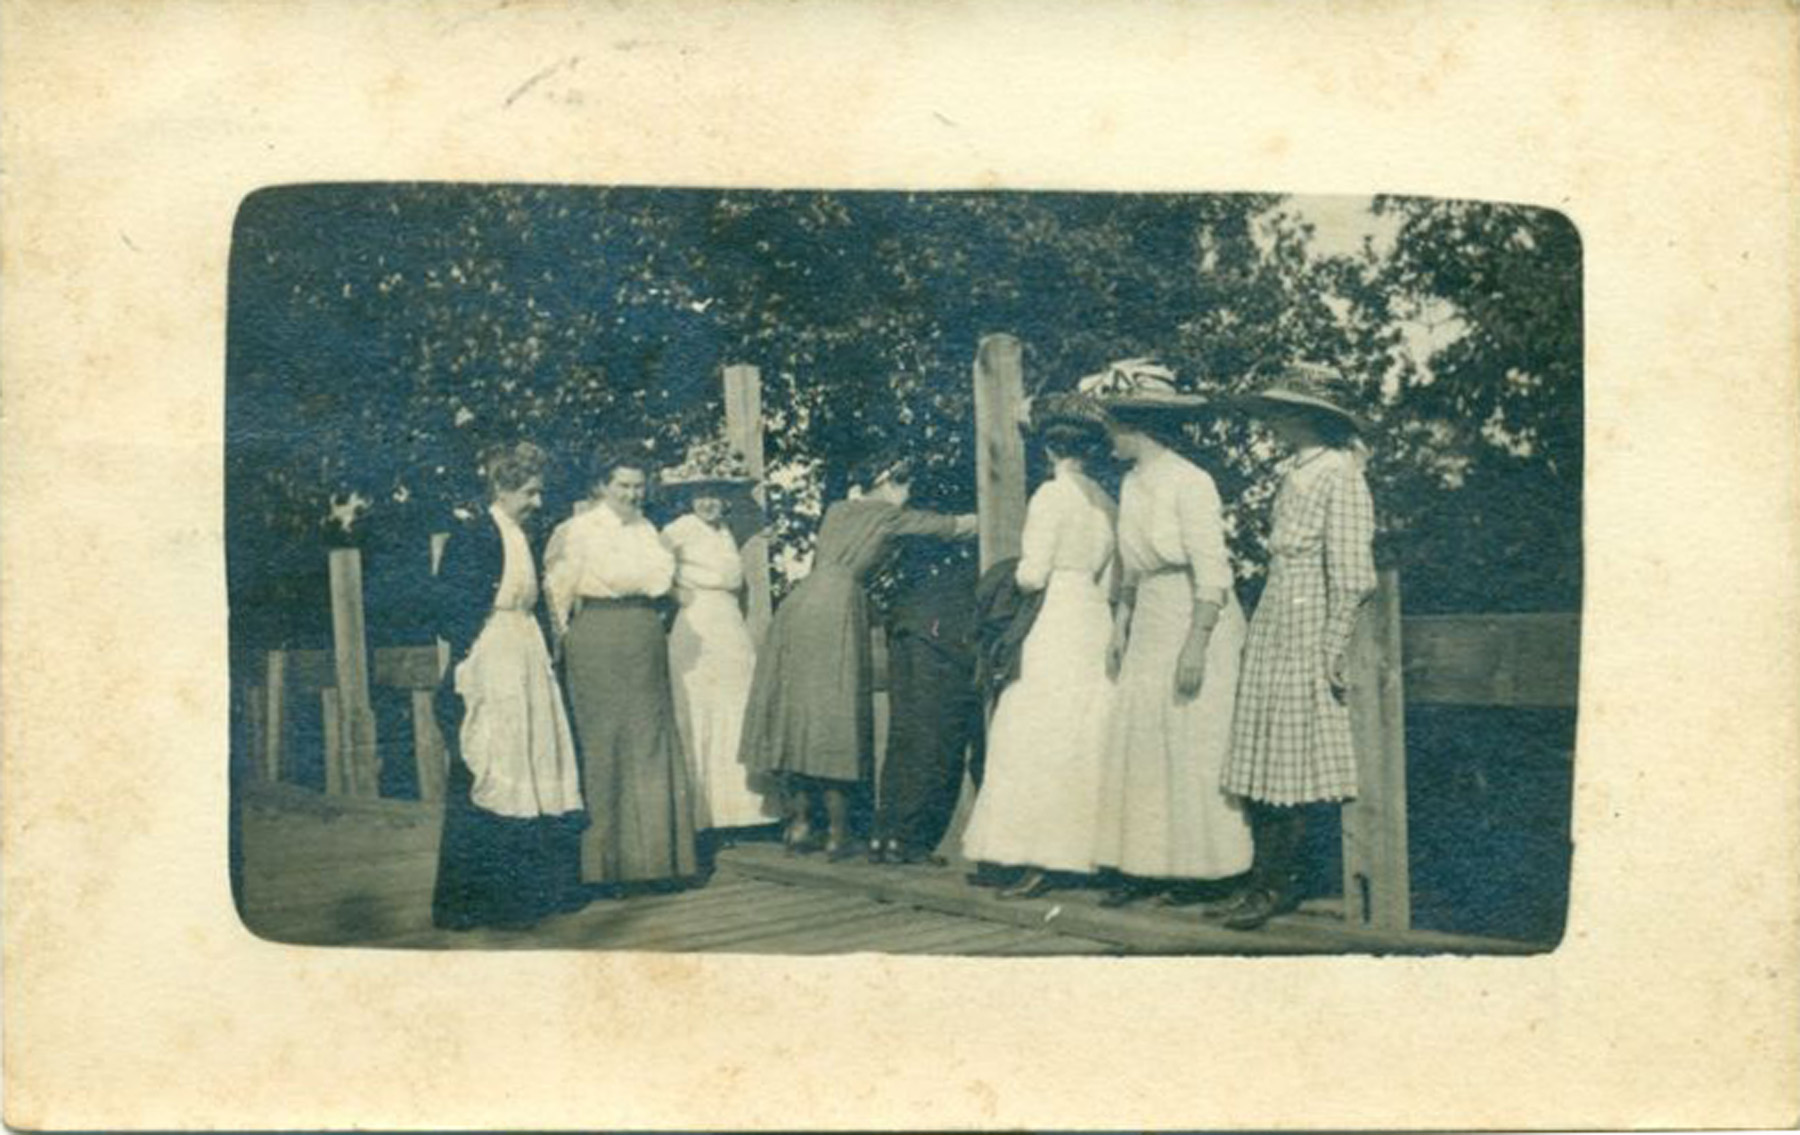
[999, 450]
[1377, 883]
[274, 716]
[744, 429]
[360, 771]
[999, 491]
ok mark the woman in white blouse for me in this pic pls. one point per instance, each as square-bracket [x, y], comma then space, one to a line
[1165, 822]
[1039, 800]
[605, 567]
[711, 657]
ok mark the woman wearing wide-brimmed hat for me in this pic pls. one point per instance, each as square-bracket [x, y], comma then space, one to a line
[810, 720]
[1165, 824]
[711, 657]
[1291, 738]
[1039, 804]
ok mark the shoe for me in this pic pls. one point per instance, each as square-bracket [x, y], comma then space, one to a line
[1180, 896]
[1256, 910]
[1228, 906]
[847, 849]
[883, 853]
[1034, 885]
[1121, 896]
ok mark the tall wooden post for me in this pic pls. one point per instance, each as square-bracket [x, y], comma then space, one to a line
[1377, 883]
[274, 716]
[999, 450]
[744, 429]
[349, 644]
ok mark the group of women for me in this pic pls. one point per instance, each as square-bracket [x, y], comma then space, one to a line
[1150, 738]
[551, 806]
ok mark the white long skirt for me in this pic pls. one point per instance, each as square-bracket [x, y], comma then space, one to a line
[711, 661]
[1163, 812]
[1039, 803]
[515, 734]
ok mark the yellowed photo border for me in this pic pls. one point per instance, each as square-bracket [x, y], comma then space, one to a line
[1668, 131]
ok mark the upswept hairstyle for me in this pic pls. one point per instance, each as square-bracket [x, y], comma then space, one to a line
[613, 458]
[510, 467]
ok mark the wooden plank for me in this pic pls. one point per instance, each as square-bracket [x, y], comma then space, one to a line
[945, 934]
[821, 909]
[744, 429]
[430, 756]
[999, 448]
[274, 716]
[1377, 870]
[1498, 660]
[255, 736]
[309, 671]
[850, 931]
[403, 667]
[1042, 943]
[332, 733]
[350, 654]
[635, 921]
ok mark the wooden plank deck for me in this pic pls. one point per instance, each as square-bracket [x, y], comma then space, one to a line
[1318, 928]
[739, 913]
[359, 872]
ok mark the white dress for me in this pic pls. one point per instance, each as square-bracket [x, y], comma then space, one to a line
[1040, 797]
[515, 733]
[1163, 811]
[711, 660]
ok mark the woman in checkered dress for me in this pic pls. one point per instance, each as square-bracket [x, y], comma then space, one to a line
[1290, 743]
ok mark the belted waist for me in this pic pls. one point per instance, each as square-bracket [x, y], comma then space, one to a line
[623, 602]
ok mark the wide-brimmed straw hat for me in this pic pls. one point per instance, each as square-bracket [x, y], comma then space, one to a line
[1139, 386]
[710, 466]
[1306, 386]
[1063, 407]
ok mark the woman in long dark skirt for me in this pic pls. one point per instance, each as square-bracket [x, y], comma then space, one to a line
[606, 569]
[810, 721]
[513, 809]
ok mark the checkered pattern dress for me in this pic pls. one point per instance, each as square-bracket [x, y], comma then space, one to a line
[1290, 739]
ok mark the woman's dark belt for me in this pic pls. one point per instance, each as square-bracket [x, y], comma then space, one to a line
[624, 602]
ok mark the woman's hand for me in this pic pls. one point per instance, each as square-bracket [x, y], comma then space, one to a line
[1115, 650]
[1337, 675]
[1190, 667]
[967, 524]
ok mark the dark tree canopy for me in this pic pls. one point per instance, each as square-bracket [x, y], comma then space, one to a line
[380, 336]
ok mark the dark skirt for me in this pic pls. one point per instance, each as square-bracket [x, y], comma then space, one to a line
[497, 870]
[809, 713]
[634, 777]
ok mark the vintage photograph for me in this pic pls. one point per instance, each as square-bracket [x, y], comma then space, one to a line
[941, 573]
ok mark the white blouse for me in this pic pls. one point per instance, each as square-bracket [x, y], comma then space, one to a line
[706, 558]
[1068, 527]
[518, 590]
[1170, 517]
[595, 555]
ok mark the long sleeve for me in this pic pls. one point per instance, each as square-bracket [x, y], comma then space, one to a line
[1349, 556]
[561, 571]
[1038, 543]
[463, 590]
[918, 522]
[1200, 518]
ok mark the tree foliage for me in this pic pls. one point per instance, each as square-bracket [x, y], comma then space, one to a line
[381, 336]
